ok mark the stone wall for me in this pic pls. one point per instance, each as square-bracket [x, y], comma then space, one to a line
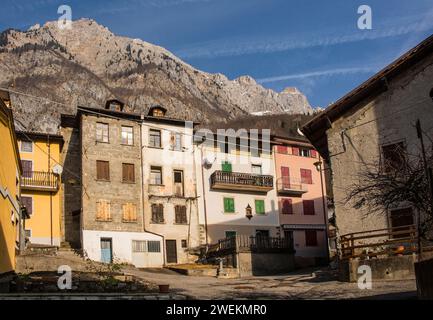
[260, 264]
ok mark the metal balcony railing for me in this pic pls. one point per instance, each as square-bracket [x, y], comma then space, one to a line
[290, 186]
[241, 181]
[40, 180]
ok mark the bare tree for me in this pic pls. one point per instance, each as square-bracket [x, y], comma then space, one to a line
[396, 178]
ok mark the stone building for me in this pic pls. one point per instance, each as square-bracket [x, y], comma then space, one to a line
[111, 220]
[369, 125]
[169, 184]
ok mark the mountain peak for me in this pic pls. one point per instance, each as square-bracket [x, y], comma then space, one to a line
[88, 63]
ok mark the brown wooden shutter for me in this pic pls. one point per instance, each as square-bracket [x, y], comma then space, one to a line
[103, 210]
[129, 211]
[128, 172]
[311, 238]
[102, 170]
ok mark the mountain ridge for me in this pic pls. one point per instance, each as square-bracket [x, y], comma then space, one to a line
[89, 64]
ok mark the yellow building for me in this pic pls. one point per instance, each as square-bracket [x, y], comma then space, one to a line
[10, 171]
[40, 184]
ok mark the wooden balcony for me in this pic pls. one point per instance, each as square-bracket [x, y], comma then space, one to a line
[291, 187]
[241, 181]
[40, 181]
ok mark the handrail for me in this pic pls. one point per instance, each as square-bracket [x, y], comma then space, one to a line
[40, 179]
[240, 178]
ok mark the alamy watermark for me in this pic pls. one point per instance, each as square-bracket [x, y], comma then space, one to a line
[365, 21]
[65, 280]
[365, 278]
[65, 20]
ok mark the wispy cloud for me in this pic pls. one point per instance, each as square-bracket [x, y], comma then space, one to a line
[238, 47]
[315, 74]
[139, 4]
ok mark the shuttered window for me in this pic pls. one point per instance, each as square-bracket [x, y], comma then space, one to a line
[129, 212]
[260, 206]
[295, 151]
[103, 210]
[313, 153]
[308, 207]
[282, 149]
[180, 214]
[128, 173]
[286, 206]
[102, 170]
[226, 166]
[101, 132]
[311, 238]
[28, 203]
[306, 176]
[157, 213]
[27, 168]
[229, 205]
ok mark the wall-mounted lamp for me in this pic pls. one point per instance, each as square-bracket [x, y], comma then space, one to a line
[248, 212]
[318, 165]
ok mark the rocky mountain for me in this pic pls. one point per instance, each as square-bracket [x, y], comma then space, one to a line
[59, 69]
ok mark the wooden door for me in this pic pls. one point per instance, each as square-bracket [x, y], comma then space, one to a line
[171, 251]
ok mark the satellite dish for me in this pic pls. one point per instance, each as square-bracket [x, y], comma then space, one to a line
[58, 169]
[209, 161]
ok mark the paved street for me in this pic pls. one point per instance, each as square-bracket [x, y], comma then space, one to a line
[307, 284]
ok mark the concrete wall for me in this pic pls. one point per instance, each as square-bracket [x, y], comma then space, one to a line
[260, 264]
[355, 140]
[169, 160]
[122, 247]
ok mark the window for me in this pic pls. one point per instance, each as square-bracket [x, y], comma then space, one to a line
[101, 132]
[102, 170]
[180, 214]
[226, 166]
[154, 138]
[313, 153]
[157, 213]
[285, 177]
[129, 212]
[176, 141]
[184, 244]
[139, 246]
[308, 207]
[229, 205]
[230, 234]
[402, 218]
[305, 153]
[26, 146]
[394, 157]
[156, 175]
[260, 206]
[128, 173]
[286, 206]
[311, 238]
[282, 149]
[306, 176]
[28, 203]
[27, 168]
[103, 210]
[127, 135]
[295, 151]
[153, 246]
[256, 169]
[178, 182]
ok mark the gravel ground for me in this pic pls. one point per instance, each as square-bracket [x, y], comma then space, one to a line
[304, 284]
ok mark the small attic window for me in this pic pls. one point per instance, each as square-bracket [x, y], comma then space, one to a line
[157, 111]
[114, 105]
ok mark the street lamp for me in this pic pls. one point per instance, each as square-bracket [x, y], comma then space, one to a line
[248, 212]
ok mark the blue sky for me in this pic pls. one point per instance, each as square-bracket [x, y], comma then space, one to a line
[310, 44]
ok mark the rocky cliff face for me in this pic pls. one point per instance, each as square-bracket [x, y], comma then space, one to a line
[88, 65]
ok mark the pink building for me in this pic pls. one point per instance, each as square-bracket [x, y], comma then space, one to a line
[301, 198]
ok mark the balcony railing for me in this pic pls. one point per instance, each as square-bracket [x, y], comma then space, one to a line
[39, 180]
[286, 186]
[241, 181]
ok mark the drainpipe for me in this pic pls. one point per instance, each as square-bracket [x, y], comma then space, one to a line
[51, 193]
[204, 197]
[142, 193]
[325, 212]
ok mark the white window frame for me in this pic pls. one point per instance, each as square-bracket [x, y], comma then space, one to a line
[21, 146]
[129, 135]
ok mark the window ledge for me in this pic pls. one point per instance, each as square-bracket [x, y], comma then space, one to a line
[129, 221]
[104, 220]
[129, 182]
[153, 147]
[102, 180]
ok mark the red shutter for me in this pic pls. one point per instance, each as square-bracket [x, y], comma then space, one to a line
[295, 151]
[306, 176]
[285, 177]
[308, 207]
[282, 149]
[286, 206]
[313, 153]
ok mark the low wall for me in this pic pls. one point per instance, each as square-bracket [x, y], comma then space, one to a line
[424, 279]
[391, 268]
[261, 264]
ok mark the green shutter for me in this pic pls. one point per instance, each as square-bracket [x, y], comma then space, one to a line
[229, 205]
[260, 206]
[226, 166]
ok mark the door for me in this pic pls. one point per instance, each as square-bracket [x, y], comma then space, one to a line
[285, 177]
[27, 168]
[178, 182]
[262, 238]
[171, 251]
[288, 237]
[106, 250]
[402, 218]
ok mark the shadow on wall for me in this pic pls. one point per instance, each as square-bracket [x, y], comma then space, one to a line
[71, 179]
[6, 263]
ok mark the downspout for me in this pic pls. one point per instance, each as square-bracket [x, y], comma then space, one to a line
[325, 212]
[204, 197]
[51, 193]
[143, 197]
